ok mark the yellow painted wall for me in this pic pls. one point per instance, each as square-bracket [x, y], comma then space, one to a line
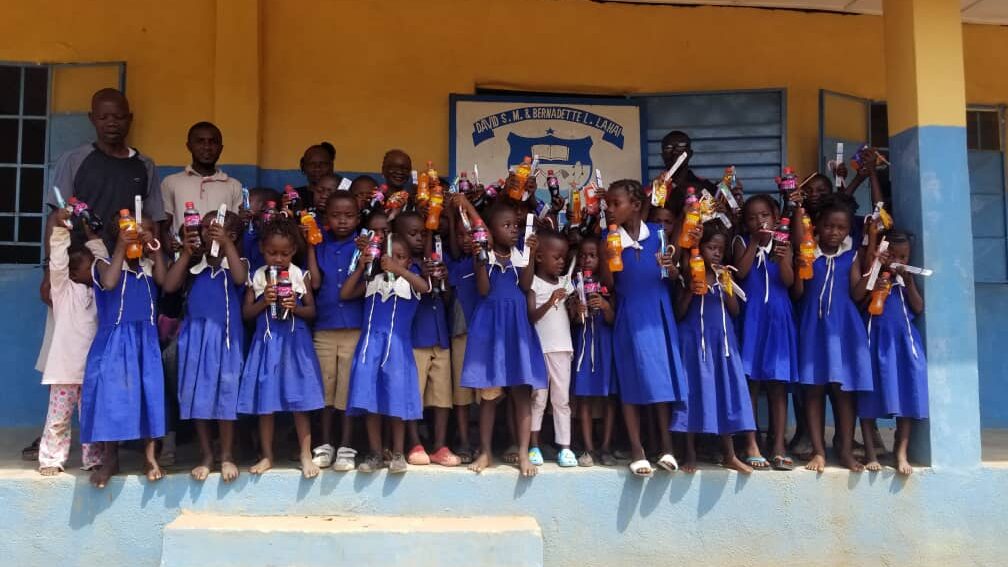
[368, 76]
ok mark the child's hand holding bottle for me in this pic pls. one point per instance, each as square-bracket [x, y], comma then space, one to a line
[596, 302]
[216, 233]
[270, 294]
[782, 253]
[667, 260]
[390, 265]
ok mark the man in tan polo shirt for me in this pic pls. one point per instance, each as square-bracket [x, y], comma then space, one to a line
[201, 182]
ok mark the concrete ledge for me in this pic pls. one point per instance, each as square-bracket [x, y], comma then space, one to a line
[200, 539]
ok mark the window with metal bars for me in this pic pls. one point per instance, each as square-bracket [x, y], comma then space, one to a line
[24, 104]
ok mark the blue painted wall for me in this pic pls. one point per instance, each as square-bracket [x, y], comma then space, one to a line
[22, 323]
[587, 516]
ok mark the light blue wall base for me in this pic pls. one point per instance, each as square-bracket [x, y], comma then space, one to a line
[931, 197]
[587, 516]
[24, 400]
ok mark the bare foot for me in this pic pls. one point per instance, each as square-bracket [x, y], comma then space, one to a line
[525, 465]
[817, 463]
[903, 467]
[689, 466]
[736, 464]
[851, 463]
[228, 471]
[153, 471]
[481, 462]
[49, 471]
[101, 475]
[308, 467]
[262, 466]
[873, 466]
[202, 470]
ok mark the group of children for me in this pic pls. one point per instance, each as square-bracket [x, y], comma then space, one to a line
[395, 311]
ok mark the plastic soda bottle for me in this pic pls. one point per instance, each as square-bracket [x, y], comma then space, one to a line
[553, 184]
[374, 249]
[880, 294]
[284, 289]
[127, 222]
[191, 218]
[481, 241]
[314, 234]
[436, 205]
[806, 250]
[698, 272]
[690, 221]
[614, 245]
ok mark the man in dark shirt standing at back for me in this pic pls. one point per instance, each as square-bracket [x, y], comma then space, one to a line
[107, 175]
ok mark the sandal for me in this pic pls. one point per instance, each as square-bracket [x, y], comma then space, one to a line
[30, 453]
[566, 458]
[345, 457]
[445, 458]
[668, 462]
[510, 455]
[607, 459]
[398, 464]
[465, 454]
[585, 460]
[642, 468]
[417, 456]
[757, 463]
[782, 463]
[322, 455]
[372, 463]
[535, 456]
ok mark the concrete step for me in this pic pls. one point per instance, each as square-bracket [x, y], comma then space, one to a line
[199, 539]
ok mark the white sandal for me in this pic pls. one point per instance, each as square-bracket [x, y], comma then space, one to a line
[668, 462]
[322, 455]
[345, 460]
[639, 468]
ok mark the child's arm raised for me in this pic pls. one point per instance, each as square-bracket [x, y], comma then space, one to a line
[179, 270]
[417, 282]
[59, 245]
[109, 274]
[913, 295]
[859, 278]
[525, 278]
[744, 255]
[237, 267]
[313, 267]
[353, 287]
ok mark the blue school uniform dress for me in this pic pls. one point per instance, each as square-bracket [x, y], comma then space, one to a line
[281, 371]
[833, 346]
[210, 354]
[898, 362]
[250, 250]
[768, 333]
[718, 392]
[593, 367]
[383, 376]
[462, 278]
[122, 397]
[334, 258]
[649, 367]
[502, 348]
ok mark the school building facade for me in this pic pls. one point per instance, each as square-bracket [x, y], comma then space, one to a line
[756, 87]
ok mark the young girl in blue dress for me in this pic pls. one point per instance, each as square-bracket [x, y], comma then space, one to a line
[502, 349]
[383, 375]
[594, 376]
[833, 346]
[718, 393]
[122, 397]
[899, 366]
[281, 371]
[649, 368]
[210, 347]
[768, 334]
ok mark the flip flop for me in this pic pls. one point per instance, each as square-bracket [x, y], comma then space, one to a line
[535, 456]
[782, 463]
[757, 463]
[668, 462]
[510, 455]
[642, 468]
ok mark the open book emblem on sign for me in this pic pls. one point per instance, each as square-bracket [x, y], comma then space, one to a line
[570, 159]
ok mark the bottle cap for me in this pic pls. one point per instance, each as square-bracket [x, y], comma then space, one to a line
[124, 212]
[690, 190]
[463, 175]
[788, 170]
[189, 205]
[435, 257]
[613, 228]
[886, 273]
[284, 274]
[527, 160]
[72, 201]
[549, 172]
[270, 204]
[695, 251]
[785, 221]
[587, 273]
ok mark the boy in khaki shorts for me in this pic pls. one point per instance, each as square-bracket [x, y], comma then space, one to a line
[337, 326]
[431, 348]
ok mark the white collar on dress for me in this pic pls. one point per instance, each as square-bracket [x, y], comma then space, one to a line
[628, 242]
[845, 246]
[146, 267]
[380, 285]
[202, 265]
[518, 259]
[297, 278]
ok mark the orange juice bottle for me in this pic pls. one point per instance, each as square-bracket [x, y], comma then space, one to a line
[614, 245]
[523, 170]
[698, 272]
[436, 205]
[880, 294]
[423, 187]
[691, 220]
[806, 250]
[314, 234]
[575, 207]
[127, 222]
[432, 174]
